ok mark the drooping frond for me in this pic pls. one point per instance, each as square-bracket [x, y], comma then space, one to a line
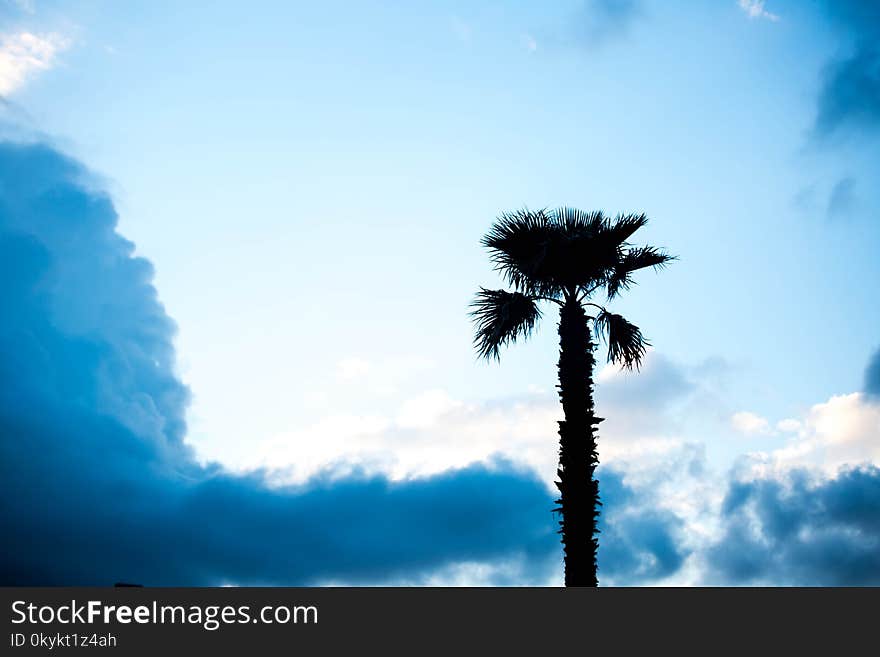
[633, 259]
[626, 345]
[500, 318]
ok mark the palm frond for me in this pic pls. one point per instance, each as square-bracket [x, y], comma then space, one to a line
[518, 242]
[631, 260]
[500, 317]
[587, 246]
[574, 221]
[545, 253]
[623, 226]
[626, 345]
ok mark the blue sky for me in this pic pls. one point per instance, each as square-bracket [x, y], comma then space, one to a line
[310, 183]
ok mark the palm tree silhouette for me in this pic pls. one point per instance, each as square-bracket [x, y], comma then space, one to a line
[565, 256]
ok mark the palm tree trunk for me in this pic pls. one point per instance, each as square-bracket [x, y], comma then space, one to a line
[578, 488]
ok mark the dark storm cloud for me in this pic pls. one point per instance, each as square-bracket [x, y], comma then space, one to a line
[797, 532]
[850, 92]
[638, 543]
[872, 376]
[99, 486]
[97, 482]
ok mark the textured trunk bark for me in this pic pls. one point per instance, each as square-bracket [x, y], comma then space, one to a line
[578, 488]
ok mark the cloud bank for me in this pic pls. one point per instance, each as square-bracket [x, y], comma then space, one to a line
[99, 484]
[801, 531]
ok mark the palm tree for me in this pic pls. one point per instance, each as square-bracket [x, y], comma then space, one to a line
[565, 257]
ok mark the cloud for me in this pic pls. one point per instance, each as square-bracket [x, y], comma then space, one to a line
[843, 199]
[756, 9]
[98, 482]
[425, 409]
[640, 542]
[428, 433]
[796, 530]
[788, 425]
[850, 89]
[850, 95]
[842, 431]
[805, 513]
[652, 484]
[872, 377]
[802, 514]
[657, 384]
[23, 55]
[750, 424]
[431, 431]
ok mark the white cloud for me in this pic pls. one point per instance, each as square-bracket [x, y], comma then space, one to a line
[613, 371]
[23, 54]
[750, 424]
[514, 572]
[430, 431]
[755, 9]
[789, 425]
[426, 409]
[530, 43]
[841, 433]
[433, 432]
[845, 430]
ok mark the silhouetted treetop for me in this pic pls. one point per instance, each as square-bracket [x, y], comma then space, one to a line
[548, 253]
